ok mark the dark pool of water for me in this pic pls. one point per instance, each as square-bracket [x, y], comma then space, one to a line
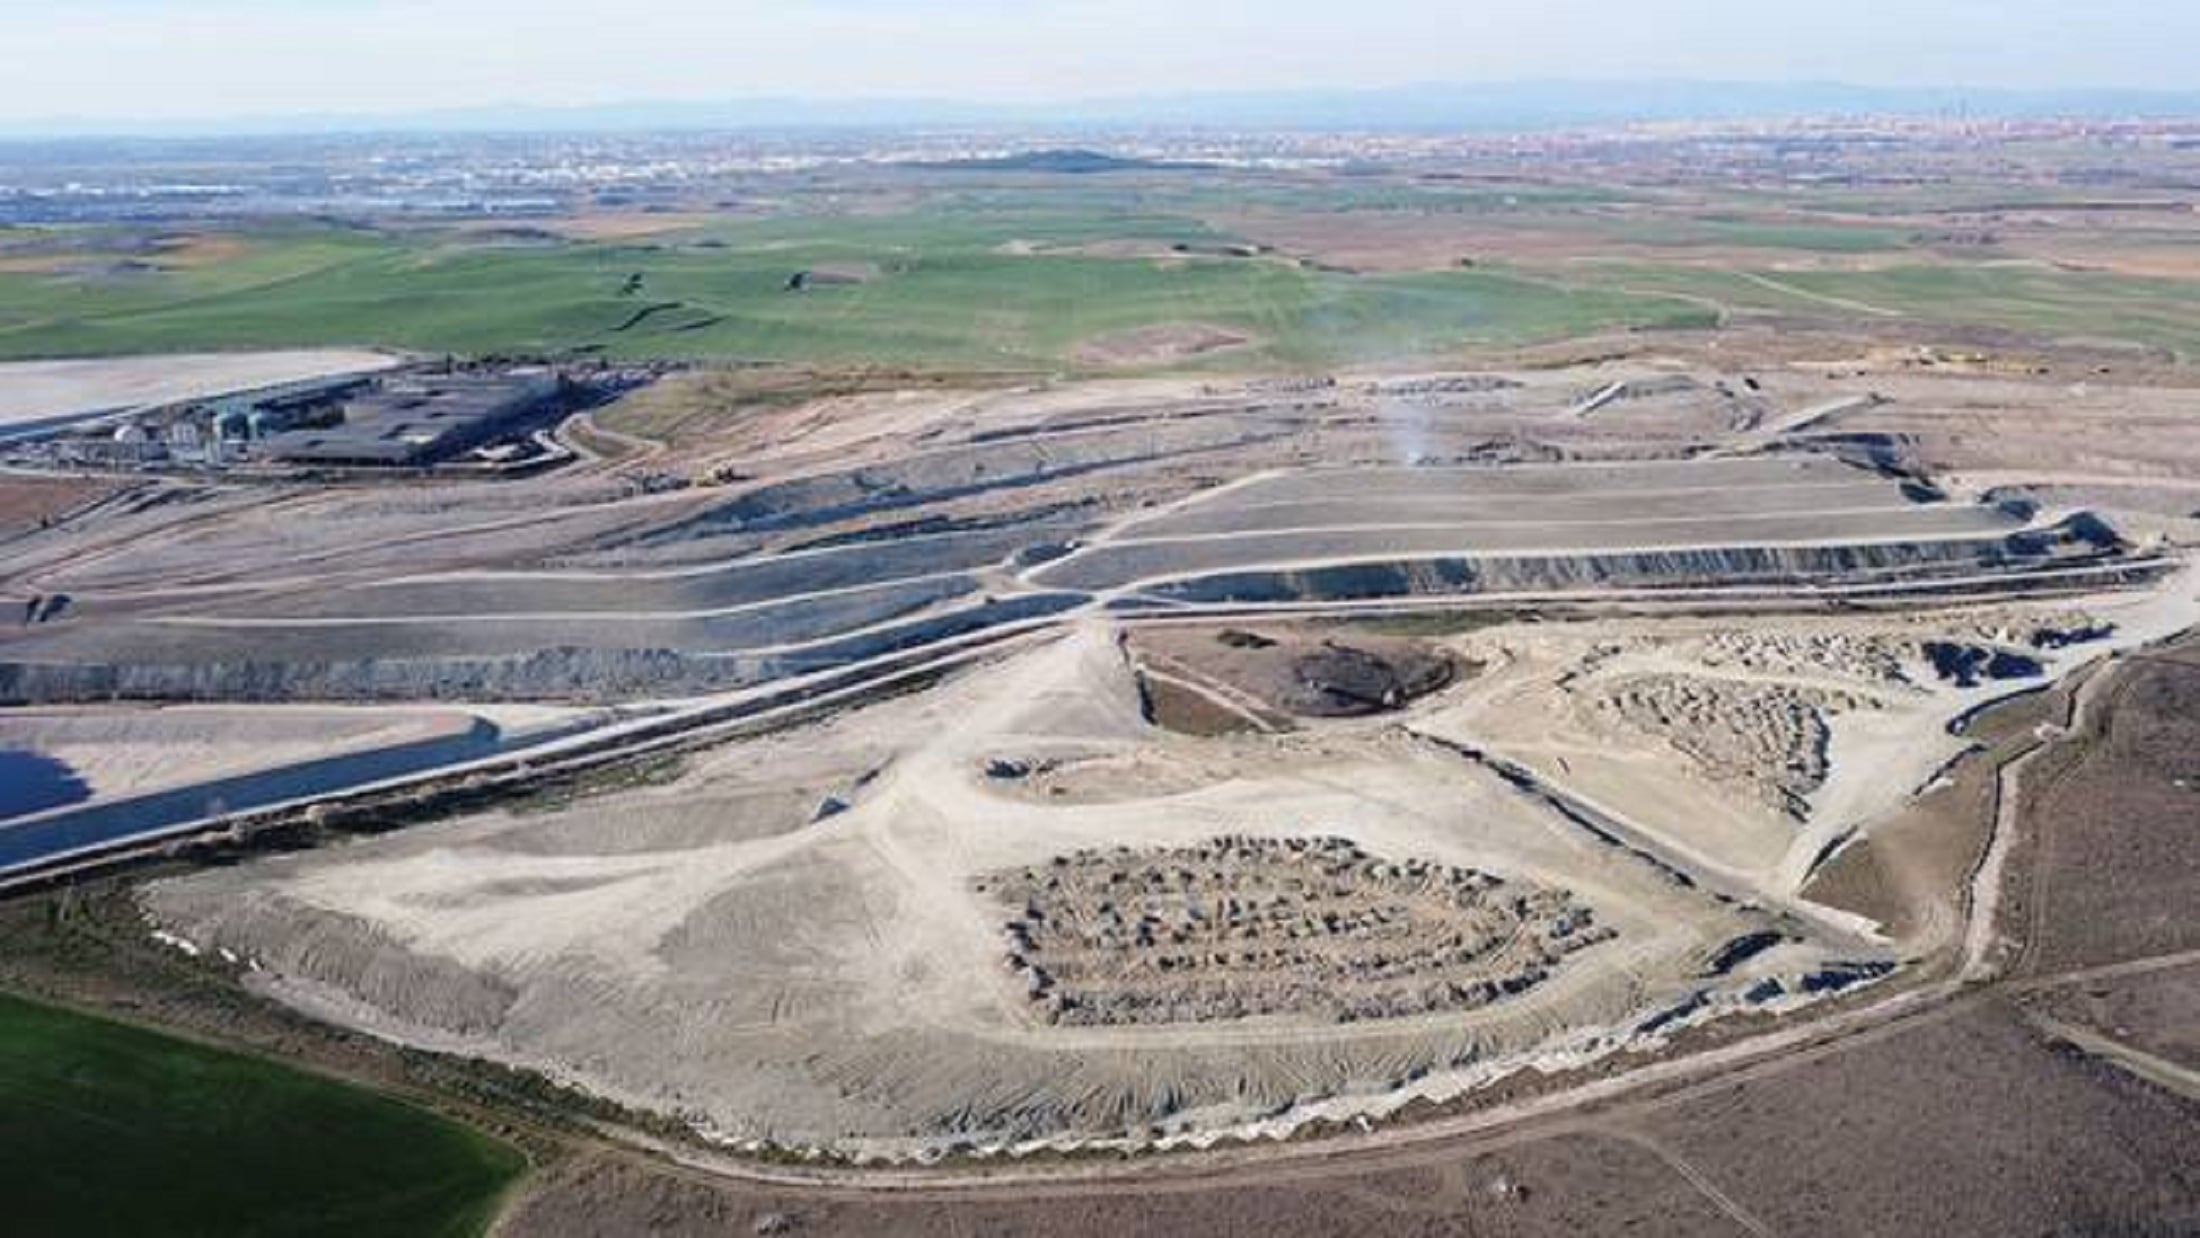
[33, 782]
[26, 843]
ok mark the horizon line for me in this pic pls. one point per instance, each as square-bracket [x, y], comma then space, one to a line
[1152, 109]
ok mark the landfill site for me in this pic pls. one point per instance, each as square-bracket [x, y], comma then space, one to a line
[1015, 775]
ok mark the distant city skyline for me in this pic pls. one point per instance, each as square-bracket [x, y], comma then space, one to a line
[172, 60]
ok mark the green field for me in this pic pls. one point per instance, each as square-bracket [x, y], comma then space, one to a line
[942, 290]
[107, 1129]
[1010, 278]
[2029, 298]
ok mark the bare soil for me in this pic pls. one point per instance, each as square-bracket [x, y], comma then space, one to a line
[1153, 346]
[2116, 868]
[1284, 671]
[1970, 1124]
[1570, 1185]
[1174, 706]
[2154, 1012]
[1908, 874]
[31, 502]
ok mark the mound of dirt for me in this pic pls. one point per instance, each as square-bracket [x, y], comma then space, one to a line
[1771, 739]
[1275, 675]
[1336, 680]
[1326, 919]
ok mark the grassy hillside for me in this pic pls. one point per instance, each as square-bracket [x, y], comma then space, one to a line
[952, 290]
[1016, 278]
[111, 1130]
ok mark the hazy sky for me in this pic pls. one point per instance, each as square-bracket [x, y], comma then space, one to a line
[188, 58]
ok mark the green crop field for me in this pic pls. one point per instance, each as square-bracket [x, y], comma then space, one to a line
[2160, 312]
[107, 1129]
[977, 290]
[986, 277]
[2030, 298]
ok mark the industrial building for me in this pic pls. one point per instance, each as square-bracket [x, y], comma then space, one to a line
[417, 419]
[421, 417]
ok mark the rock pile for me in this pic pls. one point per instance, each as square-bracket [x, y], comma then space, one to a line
[1771, 738]
[1239, 927]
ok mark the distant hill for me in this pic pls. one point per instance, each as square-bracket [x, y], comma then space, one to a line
[1500, 106]
[1075, 162]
